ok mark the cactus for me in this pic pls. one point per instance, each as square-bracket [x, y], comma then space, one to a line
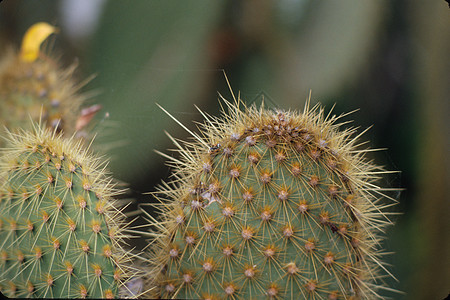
[270, 203]
[34, 85]
[61, 231]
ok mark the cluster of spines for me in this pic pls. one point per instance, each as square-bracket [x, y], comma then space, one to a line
[61, 230]
[270, 203]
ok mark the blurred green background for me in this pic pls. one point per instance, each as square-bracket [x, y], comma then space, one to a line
[387, 58]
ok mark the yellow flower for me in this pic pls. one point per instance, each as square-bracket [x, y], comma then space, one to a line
[33, 39]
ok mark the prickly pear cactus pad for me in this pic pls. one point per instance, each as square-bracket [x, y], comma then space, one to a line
[33, 85]
[60, 229]
[273, 204]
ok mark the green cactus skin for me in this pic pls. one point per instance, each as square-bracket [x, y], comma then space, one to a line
[273, 204]
[60, 229]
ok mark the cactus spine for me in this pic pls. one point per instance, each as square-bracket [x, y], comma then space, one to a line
[270, 203]
[60, 228]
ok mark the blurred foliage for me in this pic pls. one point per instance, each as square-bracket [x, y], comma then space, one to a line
[387, 58]
[139, 63]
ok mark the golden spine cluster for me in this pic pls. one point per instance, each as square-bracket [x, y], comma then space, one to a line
[270, 203]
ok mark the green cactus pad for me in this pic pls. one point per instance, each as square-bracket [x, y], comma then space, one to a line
[40, 90]
[269, 203]
[34, 85]
[60, 229]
